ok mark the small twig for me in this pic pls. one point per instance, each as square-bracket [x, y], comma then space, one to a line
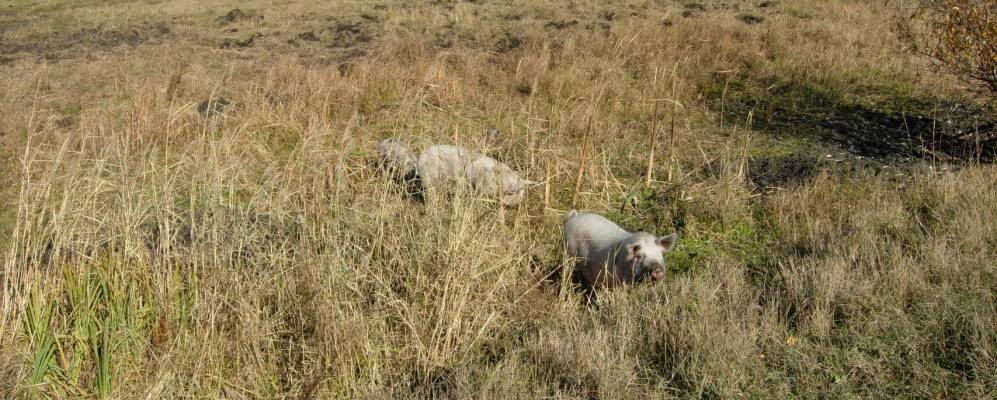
[671, 127]
[581, 162]
[585, 147]
[723, 99]
[910, 141]
[979, 150]
[547, 183]
[653, 133]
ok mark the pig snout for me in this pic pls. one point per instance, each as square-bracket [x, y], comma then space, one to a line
[658, 274]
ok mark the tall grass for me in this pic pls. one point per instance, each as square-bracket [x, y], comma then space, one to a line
[158, 253]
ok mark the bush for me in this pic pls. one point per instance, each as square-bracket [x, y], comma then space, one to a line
[960, 36]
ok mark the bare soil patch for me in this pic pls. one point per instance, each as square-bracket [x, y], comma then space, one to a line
[891, 131]
[237, 15]
[61, 46]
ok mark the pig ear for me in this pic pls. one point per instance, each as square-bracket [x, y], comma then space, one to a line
[634, 249]
[668, 242]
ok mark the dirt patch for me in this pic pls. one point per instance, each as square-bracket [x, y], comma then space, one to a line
[768, 172]
[58, 47]
[783, 170]
[891, 129]
[561, 24]
[342, 33]
[308, 36]
[350, 34]
[342, 38]
[237, 15]
[750, 19]
[953, 134]
[508, 43]
[231, 43]
[693, 10]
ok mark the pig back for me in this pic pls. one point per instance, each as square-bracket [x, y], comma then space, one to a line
[592, 237]
[441, 163]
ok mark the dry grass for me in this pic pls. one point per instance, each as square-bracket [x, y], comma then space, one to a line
[153, 253]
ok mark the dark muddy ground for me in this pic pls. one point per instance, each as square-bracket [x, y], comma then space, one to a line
[896, 137]
[802, 164]
[777, 171]
[59, 46]
[890, 131]
[951, 132]
[330, 39]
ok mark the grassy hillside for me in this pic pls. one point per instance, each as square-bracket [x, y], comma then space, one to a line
[835, 202]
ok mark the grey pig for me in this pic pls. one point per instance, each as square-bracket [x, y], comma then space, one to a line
[441, 164]
[611, 256]
[396, 157]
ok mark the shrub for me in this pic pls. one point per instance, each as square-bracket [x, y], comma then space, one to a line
[960, 36]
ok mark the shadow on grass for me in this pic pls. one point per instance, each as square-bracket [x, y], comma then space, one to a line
[878, 123]
[553, 270]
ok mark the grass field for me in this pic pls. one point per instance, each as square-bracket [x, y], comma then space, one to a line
[836, 202]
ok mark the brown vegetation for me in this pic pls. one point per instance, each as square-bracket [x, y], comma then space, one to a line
[255, 251]
[960, 36]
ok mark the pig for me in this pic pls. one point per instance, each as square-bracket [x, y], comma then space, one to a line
[609, 256]
[440, 165]
[399, 161]
[397, 158]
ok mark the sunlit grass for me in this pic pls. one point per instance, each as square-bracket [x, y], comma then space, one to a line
[156, 253]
